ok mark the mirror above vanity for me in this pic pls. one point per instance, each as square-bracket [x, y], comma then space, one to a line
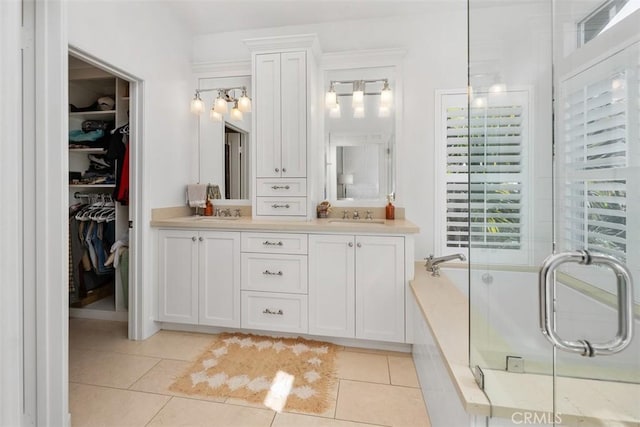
[360, 134]
[223, 143]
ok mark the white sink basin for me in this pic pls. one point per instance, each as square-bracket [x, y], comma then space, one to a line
[338, 221]
[216, 218]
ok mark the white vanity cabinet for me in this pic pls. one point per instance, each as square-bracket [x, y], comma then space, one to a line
[281, 115]
[199, 277]
[274, 282]
[357, 286]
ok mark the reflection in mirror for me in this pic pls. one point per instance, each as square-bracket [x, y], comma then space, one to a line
[361, 164]
[359, 136]
[224, 145]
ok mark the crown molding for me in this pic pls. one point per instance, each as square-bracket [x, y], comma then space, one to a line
[222, 69]
[391, 57]
[284, 43]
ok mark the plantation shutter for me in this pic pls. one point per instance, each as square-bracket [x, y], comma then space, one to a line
[485, 172]
[595, 148]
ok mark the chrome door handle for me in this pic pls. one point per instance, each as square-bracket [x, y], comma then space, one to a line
[546, 289]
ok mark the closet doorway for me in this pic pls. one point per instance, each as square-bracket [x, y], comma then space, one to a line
[102, 191]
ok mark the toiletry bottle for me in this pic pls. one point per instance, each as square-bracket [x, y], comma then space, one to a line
[390, 209]
[208, 209]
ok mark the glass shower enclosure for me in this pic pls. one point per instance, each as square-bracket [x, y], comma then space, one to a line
[550, 180]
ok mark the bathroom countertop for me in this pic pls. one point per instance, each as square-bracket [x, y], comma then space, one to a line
[446, 311]
[398, 226]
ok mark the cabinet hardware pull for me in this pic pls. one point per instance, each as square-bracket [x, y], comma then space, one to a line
[350, 244]
[284, 169]
[277, 170]
[267, 311]
[270, 273]
[359, 245]
[201, 239]
[275, 206]
[280, 187]
[193, 238]
[268, 243]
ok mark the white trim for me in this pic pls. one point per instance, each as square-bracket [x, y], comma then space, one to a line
[284, 44]
[51, 224]
[11, 369]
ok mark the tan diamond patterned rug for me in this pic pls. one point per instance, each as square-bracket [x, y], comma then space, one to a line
[281, 373]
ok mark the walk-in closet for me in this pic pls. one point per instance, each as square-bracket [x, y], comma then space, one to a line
[99, 143]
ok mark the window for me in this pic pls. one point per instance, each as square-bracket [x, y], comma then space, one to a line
[485, 174]
[595, 154]
[597, 21]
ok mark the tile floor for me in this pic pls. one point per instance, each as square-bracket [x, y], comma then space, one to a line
[117, 382]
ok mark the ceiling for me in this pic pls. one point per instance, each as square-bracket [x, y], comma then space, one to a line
[215, 16]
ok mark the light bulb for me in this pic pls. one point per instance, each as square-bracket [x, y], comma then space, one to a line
[357, 100]
[220, 104]
[215, 116]
[384, 111]
[244, 103]
[197, 106]
[330, 98]
[358, 112]
[236, 114]
[334, 113]
[386, 96]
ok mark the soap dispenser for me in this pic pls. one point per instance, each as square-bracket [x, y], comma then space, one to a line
[390, 209]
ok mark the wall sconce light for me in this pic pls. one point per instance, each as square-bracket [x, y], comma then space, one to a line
[220, 107]
[357, 101]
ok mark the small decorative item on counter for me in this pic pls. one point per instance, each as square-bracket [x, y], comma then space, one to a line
[208, 208]
[390, 209]
[324, 209]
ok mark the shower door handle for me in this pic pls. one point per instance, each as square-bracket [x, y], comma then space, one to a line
[547, 297]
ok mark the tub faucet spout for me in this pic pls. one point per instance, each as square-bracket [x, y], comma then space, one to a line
[433, 263]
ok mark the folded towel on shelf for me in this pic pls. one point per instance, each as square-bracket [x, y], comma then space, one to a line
[197, 195]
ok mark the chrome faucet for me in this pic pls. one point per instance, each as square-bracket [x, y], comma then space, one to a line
[356, 215]
[433, 263]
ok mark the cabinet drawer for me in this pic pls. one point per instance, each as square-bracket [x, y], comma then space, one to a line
[281, 206]
[294, 187]
[279, 243]
[274, 312]
[274, 273]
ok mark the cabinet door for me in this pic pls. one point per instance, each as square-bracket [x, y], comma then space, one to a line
[178, 276]
[219, 278]
[331, 285]
[380, 288]
[294, 114]
[268, 118]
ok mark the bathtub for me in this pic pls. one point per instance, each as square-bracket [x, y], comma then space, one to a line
[504, 321]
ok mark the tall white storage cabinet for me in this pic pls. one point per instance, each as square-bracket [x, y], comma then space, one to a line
[356, 286]
[87, 83]
[199, 277]
[284, 74]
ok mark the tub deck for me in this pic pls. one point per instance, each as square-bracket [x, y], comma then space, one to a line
[583, 402]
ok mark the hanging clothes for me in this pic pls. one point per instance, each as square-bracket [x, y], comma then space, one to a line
[118, 151]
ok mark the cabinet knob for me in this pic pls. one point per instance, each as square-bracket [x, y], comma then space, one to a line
[193, 238]
[359, 245]
[284, 170]
[350, 244]
[277, 169]
[201, 239]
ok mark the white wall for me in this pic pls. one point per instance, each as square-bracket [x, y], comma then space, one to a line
[435, 59]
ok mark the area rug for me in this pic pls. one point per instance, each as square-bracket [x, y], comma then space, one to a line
[294, 374]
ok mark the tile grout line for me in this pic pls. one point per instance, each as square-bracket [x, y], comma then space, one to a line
[143, 374]
[158, 412]
[389, 370]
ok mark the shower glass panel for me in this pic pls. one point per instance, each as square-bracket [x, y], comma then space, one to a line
[551, 158]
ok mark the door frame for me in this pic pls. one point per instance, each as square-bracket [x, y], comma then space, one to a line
[136, 88]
